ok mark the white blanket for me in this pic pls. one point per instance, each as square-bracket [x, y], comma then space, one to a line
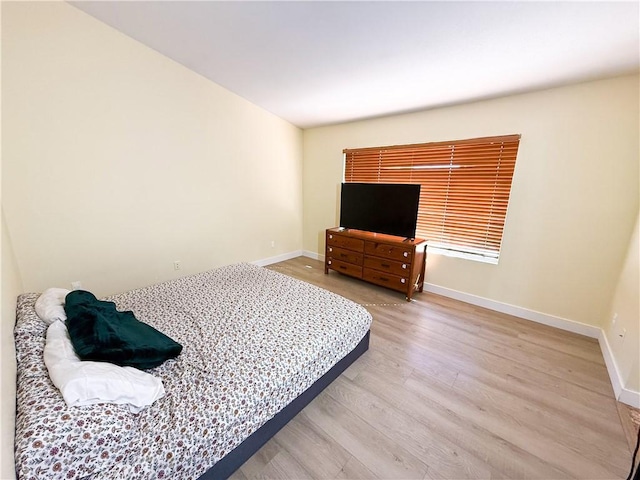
[87, 383]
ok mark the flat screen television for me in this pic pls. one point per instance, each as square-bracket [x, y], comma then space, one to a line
[390, 208]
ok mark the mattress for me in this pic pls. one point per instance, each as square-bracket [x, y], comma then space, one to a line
[253, 339]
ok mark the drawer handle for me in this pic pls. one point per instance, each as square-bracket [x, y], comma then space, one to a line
[330, 236]
[404, 265]
[406, 254]
[329, 262]
[402, 280]
[385, 265]
[330, 249]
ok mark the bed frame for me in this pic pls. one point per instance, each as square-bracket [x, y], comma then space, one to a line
[236, 457]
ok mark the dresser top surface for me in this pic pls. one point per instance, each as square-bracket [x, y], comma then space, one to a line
[376, 237]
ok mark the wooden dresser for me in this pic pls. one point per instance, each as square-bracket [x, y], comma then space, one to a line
[386, 260]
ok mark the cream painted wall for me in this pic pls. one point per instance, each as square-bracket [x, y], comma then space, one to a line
[626, 304]
[117, 161]
[574, 197]
[11, 288]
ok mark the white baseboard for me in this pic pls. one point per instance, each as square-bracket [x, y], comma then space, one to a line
[629, 397]
[624, 395]
[610, 362]
[278, 258]
[538, 317]
[314, 255]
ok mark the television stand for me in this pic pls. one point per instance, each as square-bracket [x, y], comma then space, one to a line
[393, 262]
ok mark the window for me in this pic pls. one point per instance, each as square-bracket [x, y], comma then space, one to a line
[465, 187]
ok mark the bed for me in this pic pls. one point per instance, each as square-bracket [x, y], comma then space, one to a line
[258, 346]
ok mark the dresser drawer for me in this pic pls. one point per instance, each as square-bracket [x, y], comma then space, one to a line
[385, 250]
[348, 256]
[342, 241]
[346, 268]
[385, 279]
[402, 269]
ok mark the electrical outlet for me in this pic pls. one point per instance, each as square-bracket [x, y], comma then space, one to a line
[176, 265]
[77, 285]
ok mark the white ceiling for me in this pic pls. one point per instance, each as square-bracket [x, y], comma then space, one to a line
[324, 62]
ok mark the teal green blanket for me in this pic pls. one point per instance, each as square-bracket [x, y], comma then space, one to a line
[99, 332]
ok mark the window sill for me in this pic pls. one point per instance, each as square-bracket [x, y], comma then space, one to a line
[466, 255]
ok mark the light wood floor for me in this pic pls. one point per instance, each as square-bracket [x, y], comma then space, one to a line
[450, 390]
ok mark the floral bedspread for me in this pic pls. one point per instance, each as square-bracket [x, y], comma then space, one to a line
[254, 339]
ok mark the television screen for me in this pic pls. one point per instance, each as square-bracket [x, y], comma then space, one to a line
[390, 208]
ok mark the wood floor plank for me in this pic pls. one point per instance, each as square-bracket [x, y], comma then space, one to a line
[493, 418]
[508, 325]
[451, 390]
[314, 449]
[580, 437]
[475, 350]
[283, 467]
[258, 462]
[582, 347]
[372, 448]
[552, 392]
[445, 459]
[502, 457]
[375, 360]
[355, 470]
[238, 475]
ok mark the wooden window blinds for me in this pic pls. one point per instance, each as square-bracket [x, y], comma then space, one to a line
[465, 187]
